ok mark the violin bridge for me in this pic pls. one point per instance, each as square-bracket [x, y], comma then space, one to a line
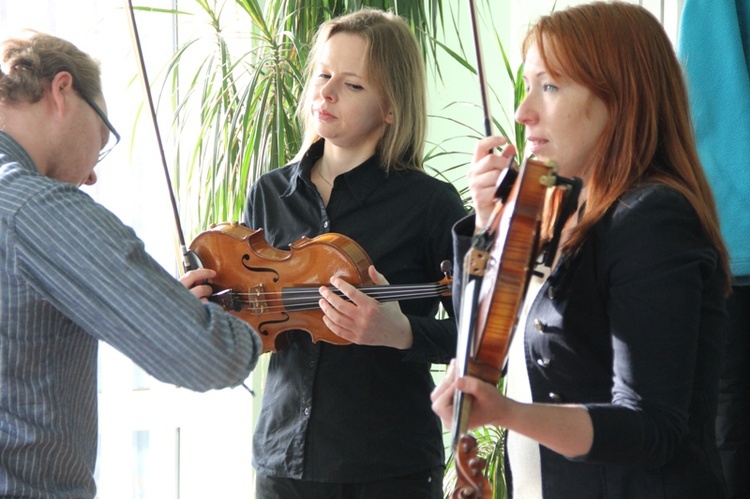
[255, 301]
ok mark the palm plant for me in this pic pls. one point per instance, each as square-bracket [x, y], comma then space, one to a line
[234, 116]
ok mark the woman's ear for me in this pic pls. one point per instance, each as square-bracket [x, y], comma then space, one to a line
[389, 117]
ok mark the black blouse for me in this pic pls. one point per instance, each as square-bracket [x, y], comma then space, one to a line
[358, 413]
[630, 326]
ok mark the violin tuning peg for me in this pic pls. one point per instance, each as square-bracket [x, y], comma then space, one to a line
[446, 267]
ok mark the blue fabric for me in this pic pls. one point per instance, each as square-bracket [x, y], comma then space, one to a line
[714, 47]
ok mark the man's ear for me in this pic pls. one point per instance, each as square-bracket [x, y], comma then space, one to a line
[61, 88]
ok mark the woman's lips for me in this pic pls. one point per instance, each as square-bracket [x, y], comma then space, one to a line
[323, 115]
[536, 143]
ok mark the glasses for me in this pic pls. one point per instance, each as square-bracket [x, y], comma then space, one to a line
[114, 137]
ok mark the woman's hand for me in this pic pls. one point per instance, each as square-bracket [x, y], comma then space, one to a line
[486, 167]
[487, 406]
[362, 319]
[195, 281]
[566, 429]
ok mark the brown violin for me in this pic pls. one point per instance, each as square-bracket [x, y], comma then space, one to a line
[276, 291]
[497, 271]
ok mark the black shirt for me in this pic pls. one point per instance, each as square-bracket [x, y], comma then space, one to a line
[358, 413]
[630, 326]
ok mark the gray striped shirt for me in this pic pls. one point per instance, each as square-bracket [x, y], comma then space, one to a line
[73, 274]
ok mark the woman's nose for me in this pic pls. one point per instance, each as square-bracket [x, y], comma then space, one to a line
[525, 113]
[328, 91]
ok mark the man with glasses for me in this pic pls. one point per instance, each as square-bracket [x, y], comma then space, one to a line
[72, 274]
[113, 138]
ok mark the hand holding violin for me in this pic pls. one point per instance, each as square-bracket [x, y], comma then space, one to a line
[362, 319]
[566, 429]
[484, 173]
[196, 282]
[488, 404]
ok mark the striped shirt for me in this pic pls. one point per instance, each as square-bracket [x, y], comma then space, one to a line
[73, 274]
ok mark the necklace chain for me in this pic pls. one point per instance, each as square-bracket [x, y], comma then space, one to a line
[320, 174]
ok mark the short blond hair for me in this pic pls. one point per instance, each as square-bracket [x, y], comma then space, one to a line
[33, 58]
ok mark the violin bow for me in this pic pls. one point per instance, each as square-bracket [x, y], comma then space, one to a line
[480, 71]
[470, 480]
[190, 260]
[474, 265]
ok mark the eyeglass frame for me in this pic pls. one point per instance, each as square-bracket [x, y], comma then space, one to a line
[103, 153]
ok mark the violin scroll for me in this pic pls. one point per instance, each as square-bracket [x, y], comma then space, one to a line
[471, 483]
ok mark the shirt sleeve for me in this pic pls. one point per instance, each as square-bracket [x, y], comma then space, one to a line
[664, 289]
[94, 269]
[435, 339]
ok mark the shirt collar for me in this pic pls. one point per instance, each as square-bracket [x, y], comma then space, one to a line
[11, 150]
[361, 181]
[302, 170]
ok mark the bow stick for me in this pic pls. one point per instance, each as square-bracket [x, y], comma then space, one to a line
[190, 260]
[470, 480]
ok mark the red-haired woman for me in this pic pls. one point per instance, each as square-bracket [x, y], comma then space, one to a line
[613, 371]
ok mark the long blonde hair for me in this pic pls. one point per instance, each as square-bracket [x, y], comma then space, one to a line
[395, 66]
[622, 54]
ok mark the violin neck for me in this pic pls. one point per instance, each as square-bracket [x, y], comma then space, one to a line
[395, 292]
[461, 411]
[299, 299]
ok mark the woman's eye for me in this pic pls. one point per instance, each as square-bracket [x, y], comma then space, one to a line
[549, 88]
[355, 86]
[324, 76]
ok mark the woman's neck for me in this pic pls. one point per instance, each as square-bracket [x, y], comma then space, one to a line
[338, 160]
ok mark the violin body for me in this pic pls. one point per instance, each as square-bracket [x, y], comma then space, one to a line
[508, 269]
[277, 291]
[247, 265]
[497, 269]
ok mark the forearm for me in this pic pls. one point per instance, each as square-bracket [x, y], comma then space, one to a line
[565, 429]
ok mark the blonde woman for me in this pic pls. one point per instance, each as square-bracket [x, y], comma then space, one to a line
[355, 421]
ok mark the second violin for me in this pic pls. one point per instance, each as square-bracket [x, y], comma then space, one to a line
[276, 291]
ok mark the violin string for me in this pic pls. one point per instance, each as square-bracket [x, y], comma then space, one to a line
[265, 308]
[296, 294]
[313, 298]
[368, 290]
[309, 299]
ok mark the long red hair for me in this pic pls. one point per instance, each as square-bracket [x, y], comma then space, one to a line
[622, 54]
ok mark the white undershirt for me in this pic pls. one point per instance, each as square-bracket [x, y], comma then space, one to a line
[523, 453]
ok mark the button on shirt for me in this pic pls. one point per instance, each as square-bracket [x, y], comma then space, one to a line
[358, 413]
